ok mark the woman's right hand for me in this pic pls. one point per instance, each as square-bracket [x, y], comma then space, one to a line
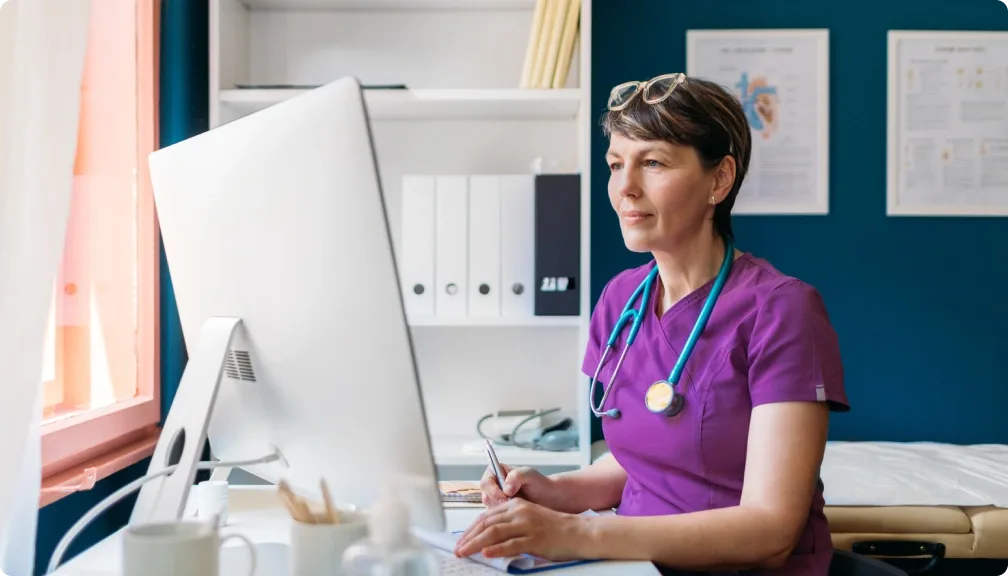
[529, 483]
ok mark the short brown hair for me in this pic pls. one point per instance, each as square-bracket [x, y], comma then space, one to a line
[701, 114]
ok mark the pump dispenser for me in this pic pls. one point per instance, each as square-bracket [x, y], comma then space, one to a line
[390, 549]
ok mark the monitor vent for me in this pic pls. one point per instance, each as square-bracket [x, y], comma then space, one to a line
[239, 366]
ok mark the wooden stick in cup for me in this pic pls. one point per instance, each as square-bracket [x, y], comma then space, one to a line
[306, 513]
[295, 506]
[331, 514]
[288, 499]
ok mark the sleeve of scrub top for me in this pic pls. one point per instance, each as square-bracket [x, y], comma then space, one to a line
[794, 354]
[599, 329]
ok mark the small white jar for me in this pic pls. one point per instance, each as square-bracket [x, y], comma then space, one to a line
[212, 500]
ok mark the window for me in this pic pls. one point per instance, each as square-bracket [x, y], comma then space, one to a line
[100, 374]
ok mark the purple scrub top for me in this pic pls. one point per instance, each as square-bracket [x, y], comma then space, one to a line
[768, 339]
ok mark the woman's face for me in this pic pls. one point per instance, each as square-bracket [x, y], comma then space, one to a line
[660, 192]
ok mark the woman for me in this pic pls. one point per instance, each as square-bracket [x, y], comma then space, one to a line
[729, 482]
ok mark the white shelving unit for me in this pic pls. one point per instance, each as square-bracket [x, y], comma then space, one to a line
[462, 113]
[433, 104]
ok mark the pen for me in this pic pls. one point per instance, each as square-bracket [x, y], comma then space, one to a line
[495, 464]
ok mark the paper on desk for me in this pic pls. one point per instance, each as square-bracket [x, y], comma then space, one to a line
[524, 564]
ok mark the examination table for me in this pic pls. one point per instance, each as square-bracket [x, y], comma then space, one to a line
[916, 499]
[919, 498]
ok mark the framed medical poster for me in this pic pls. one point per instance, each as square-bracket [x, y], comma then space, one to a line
[782, 79]
[947, 133]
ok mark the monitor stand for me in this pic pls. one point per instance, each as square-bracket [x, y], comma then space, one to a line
[185, 429]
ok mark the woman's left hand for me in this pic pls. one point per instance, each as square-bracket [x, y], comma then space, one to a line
[521, 527]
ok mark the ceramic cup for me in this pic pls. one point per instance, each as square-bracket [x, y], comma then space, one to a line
[317, 549]
[184, 548]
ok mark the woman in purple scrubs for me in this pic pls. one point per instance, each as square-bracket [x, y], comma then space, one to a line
[730, 483]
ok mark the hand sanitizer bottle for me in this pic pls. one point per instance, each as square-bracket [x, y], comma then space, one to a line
[390, 549]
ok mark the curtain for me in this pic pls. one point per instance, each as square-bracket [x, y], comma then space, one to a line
[42, 48]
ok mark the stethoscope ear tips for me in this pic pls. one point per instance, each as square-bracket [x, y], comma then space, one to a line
[614, 413]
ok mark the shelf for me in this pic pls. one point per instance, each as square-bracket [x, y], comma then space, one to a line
[502, 321]
[468, 451]
[433, 104]
[381, 5]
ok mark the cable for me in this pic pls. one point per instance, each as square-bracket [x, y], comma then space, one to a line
[121, 493]
[514, 431]
[512, 439]
[479, 428]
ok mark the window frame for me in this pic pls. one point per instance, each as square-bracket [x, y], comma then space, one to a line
[80, 449]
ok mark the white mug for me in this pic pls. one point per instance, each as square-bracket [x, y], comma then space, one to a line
[184, 548]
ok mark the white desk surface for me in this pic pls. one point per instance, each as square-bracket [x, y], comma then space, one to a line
[255, 512]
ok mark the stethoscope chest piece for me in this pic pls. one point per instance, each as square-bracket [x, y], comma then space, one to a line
[661, 398]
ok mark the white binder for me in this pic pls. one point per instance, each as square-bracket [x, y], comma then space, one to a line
[451, 242]
[417, 245]
[517, 241]
[484, 245]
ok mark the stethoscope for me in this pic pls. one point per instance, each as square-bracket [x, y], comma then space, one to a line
[661, 397]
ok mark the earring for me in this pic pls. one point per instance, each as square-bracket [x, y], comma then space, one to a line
[712, 200]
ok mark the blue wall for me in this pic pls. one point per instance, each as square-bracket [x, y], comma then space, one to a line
[184, 112]
[919, 303]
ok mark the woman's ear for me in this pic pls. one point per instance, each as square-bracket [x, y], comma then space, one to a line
[724, 179]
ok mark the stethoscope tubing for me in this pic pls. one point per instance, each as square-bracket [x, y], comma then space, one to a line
[637, 315]
[608, 389]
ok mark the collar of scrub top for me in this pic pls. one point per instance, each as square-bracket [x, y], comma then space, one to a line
[661, 396]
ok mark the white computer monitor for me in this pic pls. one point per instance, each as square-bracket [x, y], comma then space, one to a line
[277, 241]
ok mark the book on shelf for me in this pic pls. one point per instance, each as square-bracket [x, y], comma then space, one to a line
[556, 26]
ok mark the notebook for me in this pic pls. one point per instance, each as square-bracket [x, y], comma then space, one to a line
[460, 492]
[524, 564]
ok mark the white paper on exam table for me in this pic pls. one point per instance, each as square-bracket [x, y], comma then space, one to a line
[524, 564]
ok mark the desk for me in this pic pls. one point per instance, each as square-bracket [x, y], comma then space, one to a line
[256, 512]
